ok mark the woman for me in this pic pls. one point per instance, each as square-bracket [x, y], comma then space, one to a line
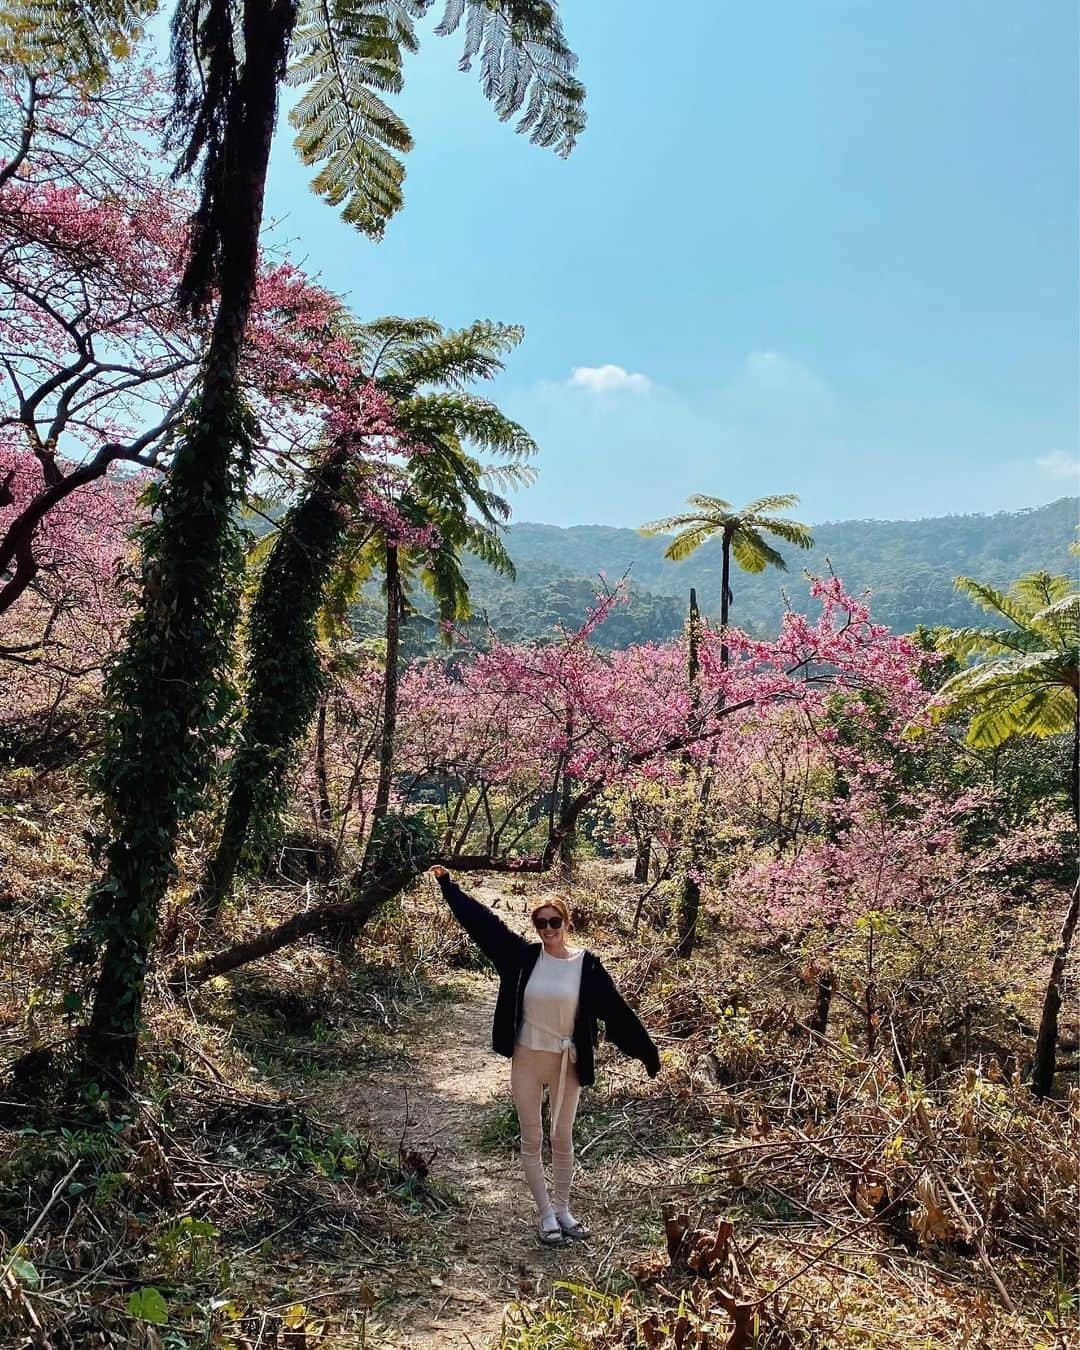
[550, 999]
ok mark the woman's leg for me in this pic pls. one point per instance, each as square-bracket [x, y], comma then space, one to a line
[527, 1090]
[562, 1144]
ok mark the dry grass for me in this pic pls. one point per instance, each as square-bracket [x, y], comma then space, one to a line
[279, 1187]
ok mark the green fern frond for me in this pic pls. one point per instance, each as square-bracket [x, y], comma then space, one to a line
[342, 52]
[508, 477]
[671, 523]
[791, 531]
[967, 642]
[1062, 619]
[781, 501]
[376, 341]
[456, 358]
[1042, 589]
[77, 39]
[526, 67]
[1045, 711]
[753, 553]
[989, 598]
[471, 418]
[688, 541]
[714, 506]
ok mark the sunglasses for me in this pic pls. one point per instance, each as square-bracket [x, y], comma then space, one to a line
[541, 924]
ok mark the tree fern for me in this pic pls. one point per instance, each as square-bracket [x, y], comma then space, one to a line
[1026, 677]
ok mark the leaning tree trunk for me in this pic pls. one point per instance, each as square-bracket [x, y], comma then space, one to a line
[1042, 1073]
[403, 851]
[284, 675]
[168, 688]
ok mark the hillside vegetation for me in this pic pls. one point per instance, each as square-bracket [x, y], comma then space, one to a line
[909, 565]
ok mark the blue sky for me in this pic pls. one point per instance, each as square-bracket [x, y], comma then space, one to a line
[824, 246]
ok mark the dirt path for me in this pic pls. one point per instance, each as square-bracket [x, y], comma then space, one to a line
[482, 1255]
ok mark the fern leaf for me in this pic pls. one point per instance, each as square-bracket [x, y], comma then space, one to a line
[753, 553]
[524, 64]
[343, 52]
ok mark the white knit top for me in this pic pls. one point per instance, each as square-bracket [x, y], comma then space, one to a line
[551, 1000]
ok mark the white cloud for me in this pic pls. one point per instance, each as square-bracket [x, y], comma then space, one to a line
[609, 380]
[1059, 464]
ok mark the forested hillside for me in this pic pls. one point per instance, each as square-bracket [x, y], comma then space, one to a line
[909, 565]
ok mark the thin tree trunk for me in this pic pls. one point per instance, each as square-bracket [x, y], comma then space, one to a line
[1074, 777]
[642, 856]
[148, 804]
[348, 924]
[322, 778]
[819, 1018]
[388, 732]
[725, 598]
[1042, 1073]
[568, 843]
[689, 902]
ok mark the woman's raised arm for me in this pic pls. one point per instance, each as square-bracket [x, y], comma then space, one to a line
[496, 940]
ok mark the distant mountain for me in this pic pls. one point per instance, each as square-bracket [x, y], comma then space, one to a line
[909, 565]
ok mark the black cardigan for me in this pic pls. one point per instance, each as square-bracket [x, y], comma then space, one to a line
[514, 958]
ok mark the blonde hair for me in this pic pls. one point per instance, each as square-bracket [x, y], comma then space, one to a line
[556, 903]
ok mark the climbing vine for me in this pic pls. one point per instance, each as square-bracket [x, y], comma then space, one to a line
[169, 696]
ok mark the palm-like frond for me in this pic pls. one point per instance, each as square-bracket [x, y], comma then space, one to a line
[989, 598]
[376, 340]
[964, 643]
[1031, 693]
[457, 358]
[671, 523]
[1046, 711]
[1062, 618]
[77, 38]
[429, 416]
[752, 553]
[688, 541]
[780, 501]
[791, 531]
[525, 66]
[1042, 589]
[507, 477]
[344, 54]
[347, 53]
[712, 506]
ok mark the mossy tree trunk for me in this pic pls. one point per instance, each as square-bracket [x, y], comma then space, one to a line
[168, 691]
[284, 675]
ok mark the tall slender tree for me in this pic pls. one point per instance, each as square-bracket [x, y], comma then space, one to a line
[741, 534]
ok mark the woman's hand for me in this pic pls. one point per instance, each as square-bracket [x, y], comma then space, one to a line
[439, 871]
